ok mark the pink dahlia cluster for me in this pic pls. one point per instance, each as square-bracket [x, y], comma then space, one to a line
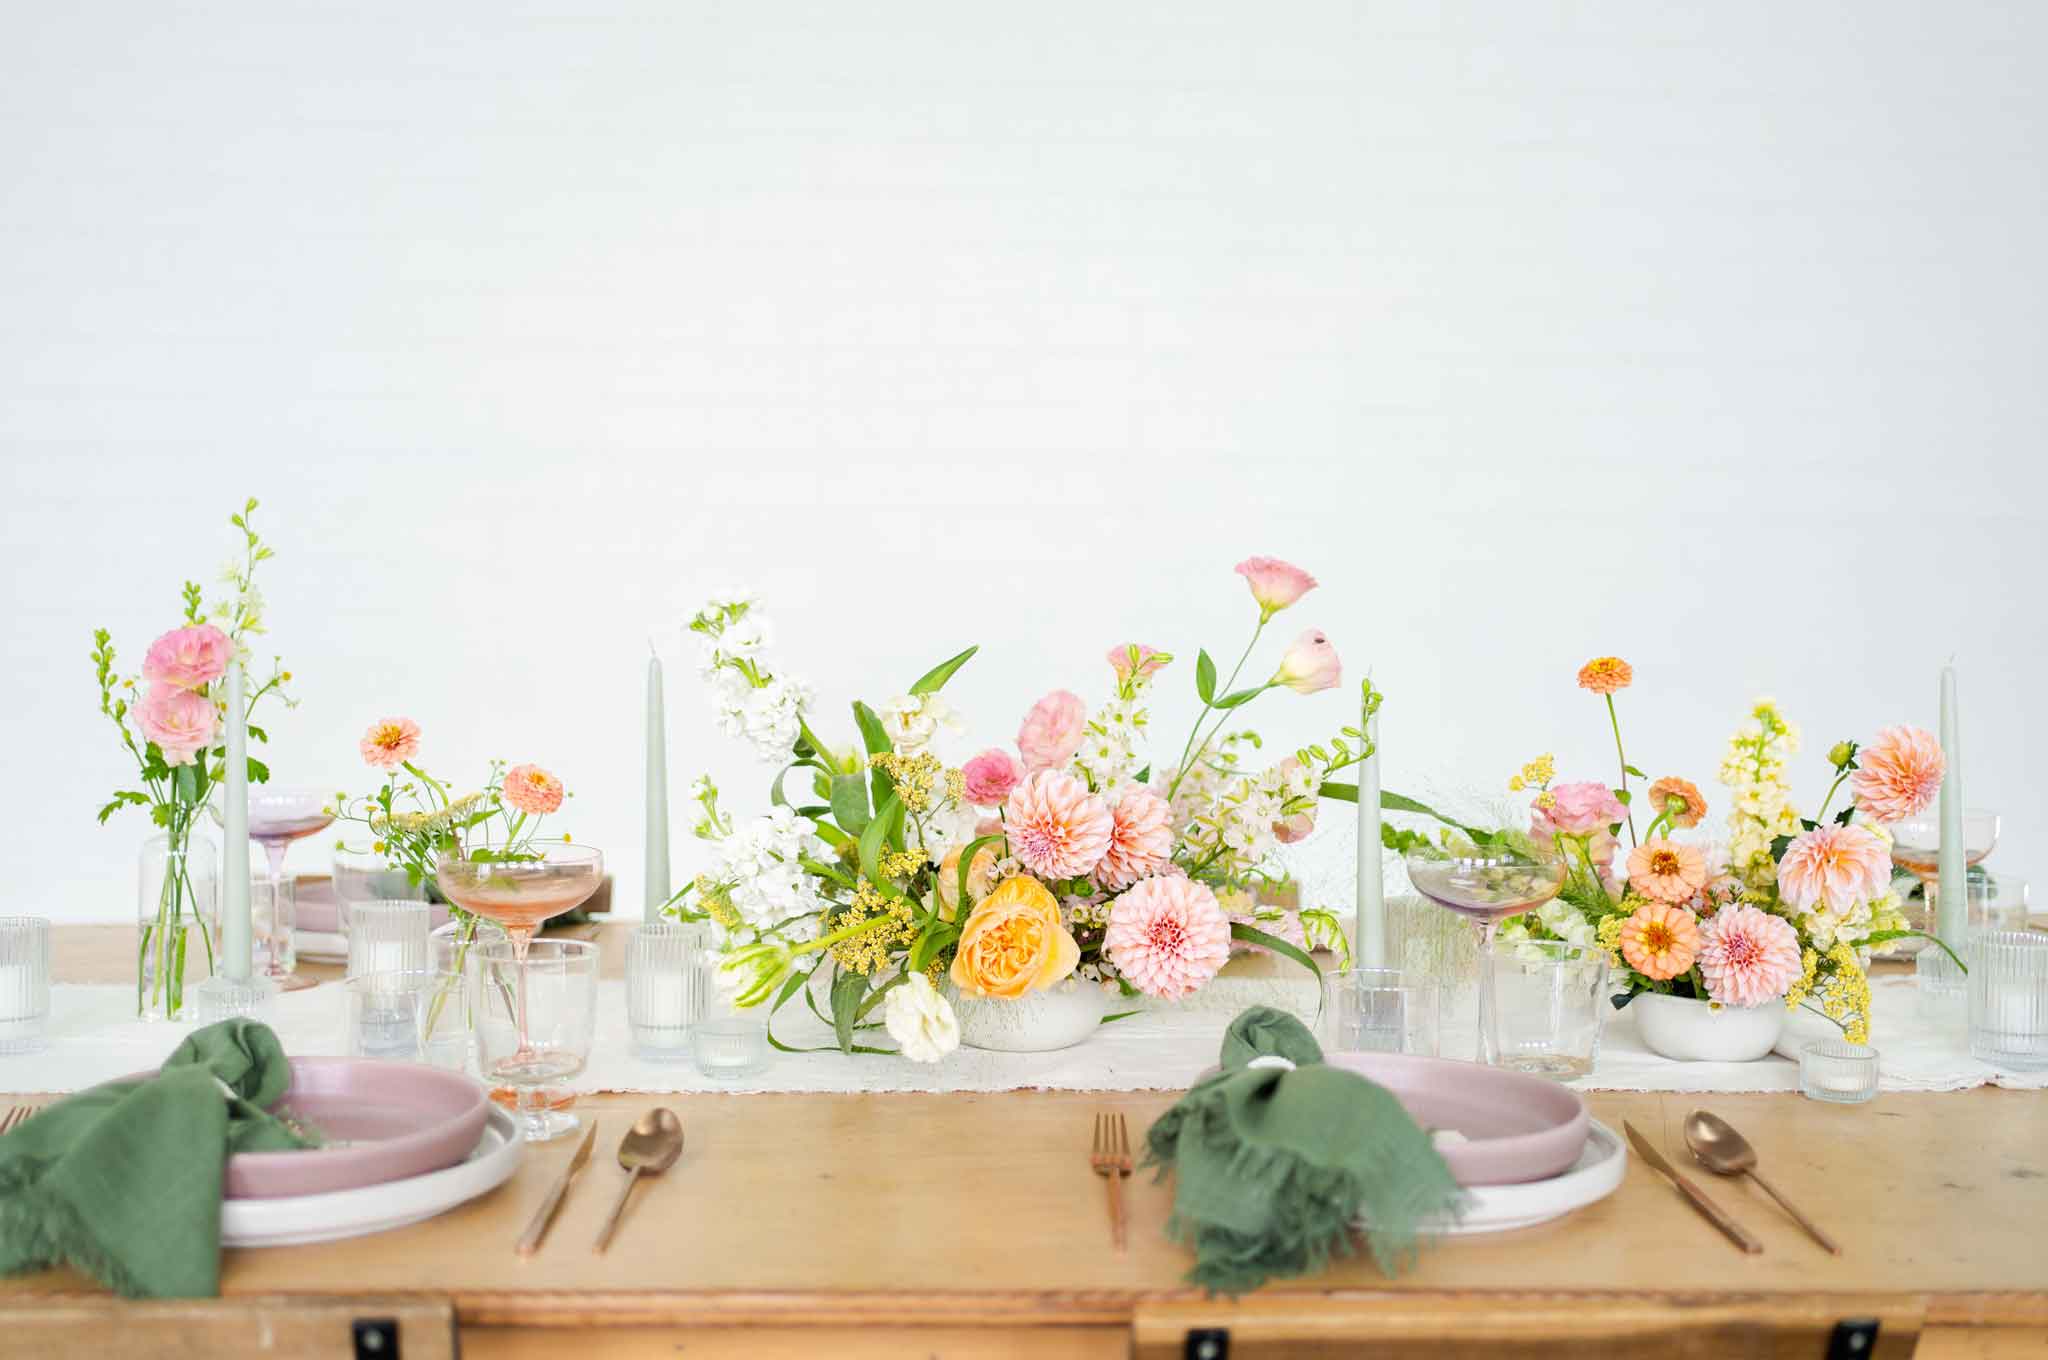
[1168, 936]
[1840, 866]
[1899, 774]
[1748, 956]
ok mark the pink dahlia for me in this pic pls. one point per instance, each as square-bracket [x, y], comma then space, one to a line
[390, 742]
[1053, 730]
[1577, 810]
[1838, 865]
[188, 658]
[178, 721]
[1056, 826]
[1140, 840]
[530, 789]
[1899, 774]
[1310, 664]
[990, 776]
[1275, 584]
[1748, 957]
[1168, 936]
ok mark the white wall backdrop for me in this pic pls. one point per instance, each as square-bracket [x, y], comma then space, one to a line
[1708, 335]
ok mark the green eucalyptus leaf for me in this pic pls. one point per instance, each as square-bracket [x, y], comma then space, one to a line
[933, 680]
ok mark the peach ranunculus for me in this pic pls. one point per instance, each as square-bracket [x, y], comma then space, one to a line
[1678, 799]
[988, 778]
[1606, 674]
[1140, 840]
[1053, 730]
[1275, 584]
[1899, 774]
[188, 658]
[981, 875]
[1310, 664]
[1056, 827]
[390, 742]
[1013, 942]
[532, 790]
[1666, 870]
[1841, 866]
[1660, 941]
[180, 722]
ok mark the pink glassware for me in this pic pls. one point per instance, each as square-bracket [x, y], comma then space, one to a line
[277, 817]
[1486, 890]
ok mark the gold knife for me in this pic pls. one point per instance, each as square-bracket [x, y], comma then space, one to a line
[529, 1241]
[1713, 1212]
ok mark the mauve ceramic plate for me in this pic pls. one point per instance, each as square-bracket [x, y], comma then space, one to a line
[318, 912]
[383, 1121]
[1513, 1127]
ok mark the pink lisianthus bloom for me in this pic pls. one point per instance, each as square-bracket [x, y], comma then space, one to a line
[1134, 662]
[1580, 809]
[990, 777]
[1167, 936]
[1748, 957]
[532, 790]
[1275, 584]
[188, 658]
[1839, 865]
[389, 743]
[1055, 826]
[1140, 840]
[1310, 664]
[1899, 774]
[180, 722]
[1053, 730]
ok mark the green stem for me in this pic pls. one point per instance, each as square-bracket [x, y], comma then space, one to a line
[1207, 705]
[1615, 721]
[1822, 815]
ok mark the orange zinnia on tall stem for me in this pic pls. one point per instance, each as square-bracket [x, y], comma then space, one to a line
[1604, 675]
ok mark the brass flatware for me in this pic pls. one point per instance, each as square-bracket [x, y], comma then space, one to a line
[1111, 1159]
[1713, 1212]
[537, 1228]
[649, 1148]
[15, 1117]
[1720, 1149]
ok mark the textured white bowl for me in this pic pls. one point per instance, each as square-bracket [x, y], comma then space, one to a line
[1692, 1031]
[1037, 1022]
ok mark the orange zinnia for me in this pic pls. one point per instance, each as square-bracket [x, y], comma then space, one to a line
[1671, 788]
[1606, 674]
[1660, 941]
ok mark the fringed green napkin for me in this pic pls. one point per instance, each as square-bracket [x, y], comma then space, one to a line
[1276, 1162]
[124, 1180]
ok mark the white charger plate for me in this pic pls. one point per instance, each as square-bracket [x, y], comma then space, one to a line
[299, 1219]
[316, 946]
[1503, 1208]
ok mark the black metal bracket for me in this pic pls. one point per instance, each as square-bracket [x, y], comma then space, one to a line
[1853, 1339]
[1208, 1343]
[375, 1338]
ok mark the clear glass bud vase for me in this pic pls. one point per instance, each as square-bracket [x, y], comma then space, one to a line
[177, 913]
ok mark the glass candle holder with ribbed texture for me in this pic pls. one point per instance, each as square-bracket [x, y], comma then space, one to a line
[24, 983]
[1837, 1071]
[386, 937]
[665, 988]
[2008, 985]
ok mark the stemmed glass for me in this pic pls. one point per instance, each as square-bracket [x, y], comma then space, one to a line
[1916, 848]
[277, 817]
[1486, 890]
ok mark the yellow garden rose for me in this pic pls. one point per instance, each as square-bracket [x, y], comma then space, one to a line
[1013, 942]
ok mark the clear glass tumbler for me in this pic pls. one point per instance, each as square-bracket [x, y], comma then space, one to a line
[386, 937]
[1381, 1010]
[556, 988]
[383, 1019]
[664, 992]
[1553, 1003]
[2009, 998]
[24, 983]
[1838, 1072]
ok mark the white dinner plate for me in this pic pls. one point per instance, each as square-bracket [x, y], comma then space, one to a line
[1502, 1208]
[299, 1219]
[318, 946]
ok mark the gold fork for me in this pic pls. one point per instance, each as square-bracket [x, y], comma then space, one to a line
[1111, 1159]
[15, 1117]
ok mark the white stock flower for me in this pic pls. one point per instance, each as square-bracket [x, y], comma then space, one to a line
[912, 720]
[920, 1020]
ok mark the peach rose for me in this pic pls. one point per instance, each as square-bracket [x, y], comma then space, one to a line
[981, 876]
[1013, 942]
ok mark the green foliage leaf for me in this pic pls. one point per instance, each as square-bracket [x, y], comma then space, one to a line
[1239, 698]
[1205, 678]
[873, 734]
[1253, 935]
[259, 773]
[967, 863]
[876, 835]
[850, 802]
[933, 680]
[258, 733]
[1634, 771]
[847, 990]
[1779, 845]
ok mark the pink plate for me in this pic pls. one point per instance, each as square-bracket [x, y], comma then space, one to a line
[318, 911]
[1514, 1127]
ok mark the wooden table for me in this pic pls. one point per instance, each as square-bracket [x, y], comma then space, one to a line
[956, 1225]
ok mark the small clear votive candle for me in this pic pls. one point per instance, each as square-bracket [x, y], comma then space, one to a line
[386, 937]
[384, 1014]
[1381, 1010]
[24, 983]
[730, 1047]
[1837, 1071]
[664, 988]
[2008, 988]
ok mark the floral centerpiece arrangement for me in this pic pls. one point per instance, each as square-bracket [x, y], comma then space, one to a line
[1785, 911]
[890, 878]
[171, 720]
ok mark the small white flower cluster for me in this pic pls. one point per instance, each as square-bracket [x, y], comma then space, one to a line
[1233, 817]
[750, 701]
[912, 720]
[768, 887]
[1112, 750]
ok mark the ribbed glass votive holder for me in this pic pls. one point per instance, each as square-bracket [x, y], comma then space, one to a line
[2009, 998]
[1838, 1071]
[664, 988]
[24, 983]
[386, 937]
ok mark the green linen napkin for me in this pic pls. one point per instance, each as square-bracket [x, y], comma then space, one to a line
[124, 1180]
[1275, 1164]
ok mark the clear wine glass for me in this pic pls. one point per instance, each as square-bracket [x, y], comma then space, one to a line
[1486, 890]
[1916, 848]
[277, 817]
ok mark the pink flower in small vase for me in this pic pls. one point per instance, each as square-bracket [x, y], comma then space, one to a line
[990, 777]
[1056, 827]
[1839, 865]
[188, 658]
[1899, 774]
[1053, 730]
[180, 722]
[1167, 936]
[1748, 957]
[1275, 584]
[1140, 840]
[1310, 664]
[532, 790]
[1134, 662]
[1580, 809]
[389, 743]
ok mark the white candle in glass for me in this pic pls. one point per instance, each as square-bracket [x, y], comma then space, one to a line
[1952, 904]
[1370, 931]
[236, 927]
[17, 992]
[656, 875]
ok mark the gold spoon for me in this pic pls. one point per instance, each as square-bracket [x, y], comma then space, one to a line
[649, 1148]
[1723, 1151]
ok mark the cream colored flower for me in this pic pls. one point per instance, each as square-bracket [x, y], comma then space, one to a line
[920, 1020]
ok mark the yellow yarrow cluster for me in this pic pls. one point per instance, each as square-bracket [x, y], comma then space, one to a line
[1537, 774]
[901, 863]
[1841, 992]
[428, 823]
[1609, 937]
[917, 777]
[869, 951]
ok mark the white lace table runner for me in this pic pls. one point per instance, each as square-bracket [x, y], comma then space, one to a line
[95, 1038]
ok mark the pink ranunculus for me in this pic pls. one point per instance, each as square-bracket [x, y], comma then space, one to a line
[1899, 774]
[1146, 664]
[532, 790]
[389, 743]
[188, 658]
[180, 722]
[1577, 810]
[1055, 826]
[1140, 840]
[1841, 866]
[1310, 664]
[1275, 584]
[1167, 936]
[990, 776]
[1053, 730]
[1748, 956]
